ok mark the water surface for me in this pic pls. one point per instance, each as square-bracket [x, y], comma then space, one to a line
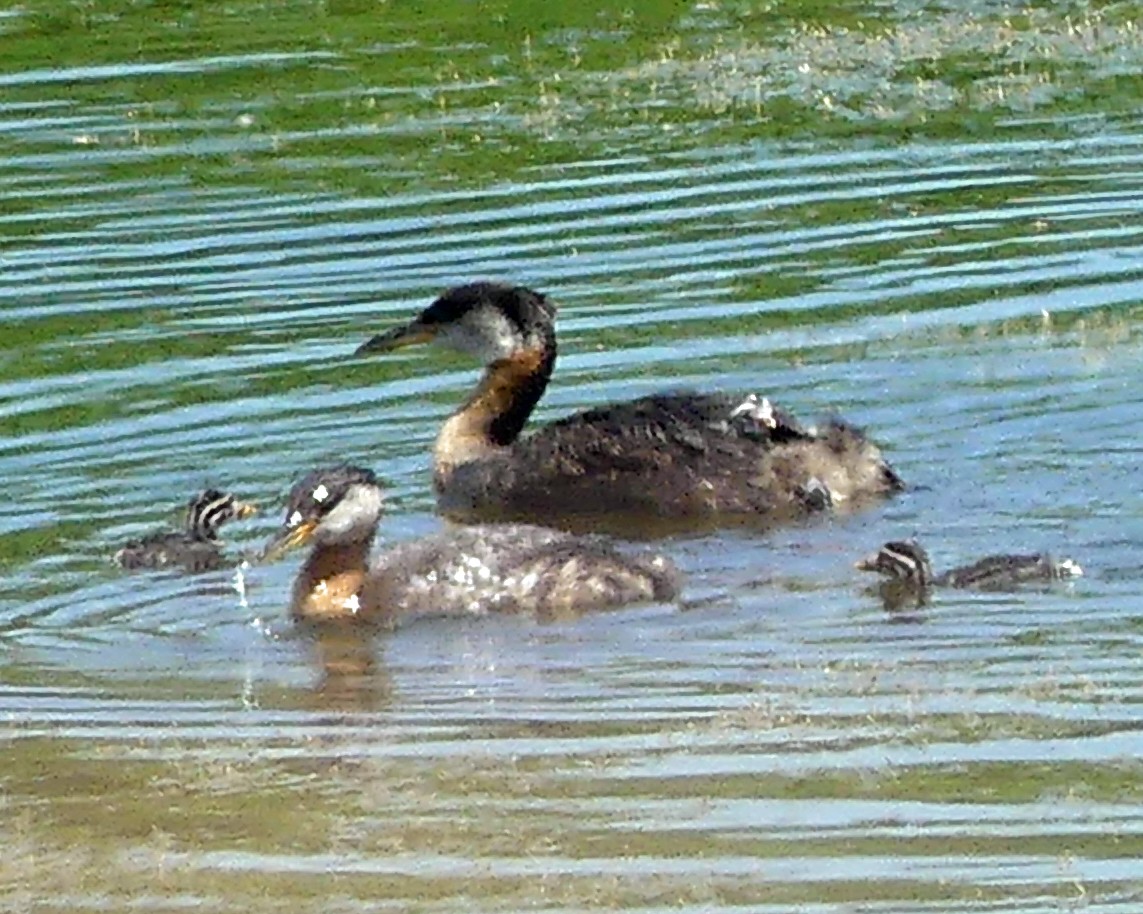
[924, 218]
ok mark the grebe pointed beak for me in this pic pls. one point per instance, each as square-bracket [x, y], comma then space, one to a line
[288, 538]
[869, 563]
[244, 509]
[410, 334]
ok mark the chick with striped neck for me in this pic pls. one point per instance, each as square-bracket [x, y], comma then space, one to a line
[194, 548]
[906, 564]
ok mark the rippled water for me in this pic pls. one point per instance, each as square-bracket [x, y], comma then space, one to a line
[932, 229]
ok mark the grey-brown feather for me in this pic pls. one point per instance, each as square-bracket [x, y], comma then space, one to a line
[996, 572]
[164, 550]
[513, 568]
[669, 455]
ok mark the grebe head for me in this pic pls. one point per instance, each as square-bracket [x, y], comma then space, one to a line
[903, 560]
[334, 506]
[489, 320]
[209, 510]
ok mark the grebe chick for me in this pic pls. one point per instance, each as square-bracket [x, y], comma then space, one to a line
[907, 565]
[682, 457]
[195, 548]
[460, 571]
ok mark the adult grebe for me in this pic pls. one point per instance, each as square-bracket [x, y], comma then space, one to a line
[689, 457]
[906, 564]
[196, 548]
[461, 571]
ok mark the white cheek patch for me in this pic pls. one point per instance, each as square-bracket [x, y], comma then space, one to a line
[294, 519]
[354, 516]
[320, 494]
[485, 334]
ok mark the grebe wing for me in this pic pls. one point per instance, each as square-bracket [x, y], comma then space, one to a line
[514, 568]
[670, 456]
[662, 427]
[164, 550]
[1002, 572]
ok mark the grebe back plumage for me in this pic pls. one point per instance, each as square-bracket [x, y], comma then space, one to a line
[691, 457]
[460, 571]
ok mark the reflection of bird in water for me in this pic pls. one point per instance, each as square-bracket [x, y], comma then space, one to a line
[466, 570]
[906, 564]
[351, 676]
[195, 548]
[681, 456]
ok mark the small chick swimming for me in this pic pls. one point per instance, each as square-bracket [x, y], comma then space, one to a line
[462, 571]
[195, 548]
[910, 573]
[686, 457]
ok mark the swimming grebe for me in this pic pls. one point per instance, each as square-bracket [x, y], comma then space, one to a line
[906, 564]
[681, 456]
[466, 570]
[196, 548]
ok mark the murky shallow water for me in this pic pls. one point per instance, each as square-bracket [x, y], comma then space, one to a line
[183, 283]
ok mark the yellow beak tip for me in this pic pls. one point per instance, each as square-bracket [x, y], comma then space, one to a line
[286, 540]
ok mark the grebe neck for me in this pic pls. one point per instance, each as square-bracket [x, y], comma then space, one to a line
[330, 581]
[495, 414]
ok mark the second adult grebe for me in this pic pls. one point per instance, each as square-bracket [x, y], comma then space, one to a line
[688, 457]
[508, 568]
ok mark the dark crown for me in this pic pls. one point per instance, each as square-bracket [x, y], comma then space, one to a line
[319, 491]
[524, 308]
